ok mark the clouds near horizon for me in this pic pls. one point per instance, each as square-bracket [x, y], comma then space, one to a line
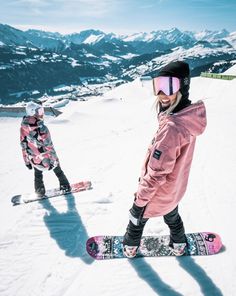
[119, 15]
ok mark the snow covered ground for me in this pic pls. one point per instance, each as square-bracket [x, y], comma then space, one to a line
[42, 245]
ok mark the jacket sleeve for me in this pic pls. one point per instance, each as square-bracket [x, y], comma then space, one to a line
[24, 143]
[47, 145]
[45, 138]
[160, 163]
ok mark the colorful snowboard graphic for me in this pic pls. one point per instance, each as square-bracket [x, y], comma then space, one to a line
[31, 197]
[109, 247]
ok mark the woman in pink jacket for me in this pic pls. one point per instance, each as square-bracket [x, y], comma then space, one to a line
[37, 148]
[167, 164]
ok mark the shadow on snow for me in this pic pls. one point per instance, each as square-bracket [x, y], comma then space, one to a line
[198, 273]
[148, 274]
[67, 229]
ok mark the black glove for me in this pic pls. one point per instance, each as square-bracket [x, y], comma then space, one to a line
[51, 166]
[29, 166]
[136, 214]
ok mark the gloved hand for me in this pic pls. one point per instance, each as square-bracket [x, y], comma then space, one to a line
[136, 214]
[51, 166]
[29, 166]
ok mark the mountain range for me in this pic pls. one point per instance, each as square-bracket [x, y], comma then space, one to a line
[35, 62]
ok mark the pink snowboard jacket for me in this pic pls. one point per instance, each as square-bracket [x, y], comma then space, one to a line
[36, 144]
[166, 168]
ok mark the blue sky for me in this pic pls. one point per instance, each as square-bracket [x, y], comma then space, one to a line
[119, 16]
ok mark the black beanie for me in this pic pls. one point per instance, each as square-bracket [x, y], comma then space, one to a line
[180, 70]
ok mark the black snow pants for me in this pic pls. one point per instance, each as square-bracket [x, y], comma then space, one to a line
[38, 178]
[173, 220]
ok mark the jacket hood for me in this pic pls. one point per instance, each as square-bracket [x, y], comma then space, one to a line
[192, 118]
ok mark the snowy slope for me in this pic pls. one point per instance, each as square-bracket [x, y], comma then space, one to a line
[42, 244]
[231, 71]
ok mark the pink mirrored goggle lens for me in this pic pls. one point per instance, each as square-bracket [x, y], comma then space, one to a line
[169, 85]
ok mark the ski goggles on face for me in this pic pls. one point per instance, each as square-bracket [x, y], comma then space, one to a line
[169, 85]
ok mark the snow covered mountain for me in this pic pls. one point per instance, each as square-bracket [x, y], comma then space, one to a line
[200, 58]
[231, 39]
[39, 61]
[89, 37]
[10, 36]
[173, 36]
[42, 245]
[211, 35]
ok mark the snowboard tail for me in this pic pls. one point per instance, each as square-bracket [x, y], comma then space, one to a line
[111, 247]
[31, 197]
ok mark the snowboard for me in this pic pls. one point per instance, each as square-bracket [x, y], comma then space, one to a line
[111, 247]
[31, 197]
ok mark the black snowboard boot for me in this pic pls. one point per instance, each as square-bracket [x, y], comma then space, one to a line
[64, 183]
[38, 183]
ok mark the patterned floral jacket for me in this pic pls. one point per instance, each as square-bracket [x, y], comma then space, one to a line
[36, 143]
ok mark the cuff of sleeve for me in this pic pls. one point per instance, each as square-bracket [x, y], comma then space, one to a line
[139, 202]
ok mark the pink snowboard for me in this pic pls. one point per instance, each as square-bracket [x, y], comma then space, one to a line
[31, 197]
[107, 247]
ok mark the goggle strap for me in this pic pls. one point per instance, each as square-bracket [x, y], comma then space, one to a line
[154, 88]
[170, 85]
